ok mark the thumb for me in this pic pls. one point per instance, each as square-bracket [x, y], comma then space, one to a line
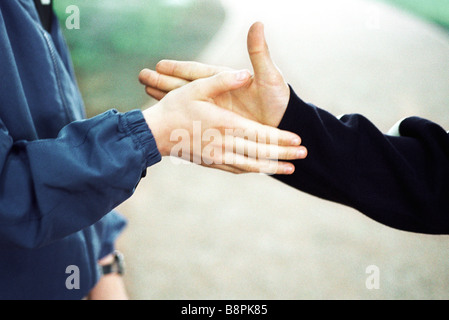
[222, 82]
[259, 52]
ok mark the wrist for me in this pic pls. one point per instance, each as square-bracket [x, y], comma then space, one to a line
[286, 99]
[106, 260]
[113, 264]
[158, 126]
[283, 103]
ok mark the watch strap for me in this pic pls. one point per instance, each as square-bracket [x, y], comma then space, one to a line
[117, 266]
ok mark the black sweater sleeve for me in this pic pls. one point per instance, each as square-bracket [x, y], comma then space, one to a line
[400, 181]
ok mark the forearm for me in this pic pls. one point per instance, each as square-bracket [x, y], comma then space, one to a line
[399, 181]
[110, 287]
[54, 188]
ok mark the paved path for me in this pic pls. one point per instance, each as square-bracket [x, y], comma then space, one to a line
[195, 233]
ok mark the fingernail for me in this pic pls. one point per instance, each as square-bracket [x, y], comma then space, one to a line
[242, 75]
[296, 141]
[289, 169]
[301, 153]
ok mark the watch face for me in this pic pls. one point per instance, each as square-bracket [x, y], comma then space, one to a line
[118, 266]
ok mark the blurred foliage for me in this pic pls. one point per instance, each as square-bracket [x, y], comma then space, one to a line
[118, 38]
[436, 11]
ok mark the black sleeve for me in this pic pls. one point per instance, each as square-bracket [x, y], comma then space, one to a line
[400, 181]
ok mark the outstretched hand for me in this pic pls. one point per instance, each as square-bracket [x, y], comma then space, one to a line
[187, 123]
[264, 98]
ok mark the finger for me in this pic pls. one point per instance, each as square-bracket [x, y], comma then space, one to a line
[256, 150]
[251, 165]
[159, 81]
[155, 93]
[239, 126]
[224, 167]
[236, 169]
[221, 83]
[236, 163]
[259, 53]
[259, 150]
[188, 70]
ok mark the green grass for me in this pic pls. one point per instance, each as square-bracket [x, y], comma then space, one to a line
[118, 38]
[436, 11]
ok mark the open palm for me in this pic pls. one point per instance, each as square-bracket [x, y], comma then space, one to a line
[264, 98]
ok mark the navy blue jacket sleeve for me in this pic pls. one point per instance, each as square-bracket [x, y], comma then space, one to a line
[400, 181]
[50, 189]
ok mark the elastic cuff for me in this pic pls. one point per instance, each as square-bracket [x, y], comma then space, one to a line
[135, 125]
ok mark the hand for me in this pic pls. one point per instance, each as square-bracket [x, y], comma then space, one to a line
[263, 99]
[216, 137]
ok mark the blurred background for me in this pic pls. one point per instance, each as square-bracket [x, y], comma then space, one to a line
[196, 233]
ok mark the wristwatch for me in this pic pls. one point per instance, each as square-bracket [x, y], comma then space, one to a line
[118, 266]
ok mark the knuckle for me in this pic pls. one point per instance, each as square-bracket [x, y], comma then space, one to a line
[157, 78]
[290, 153]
